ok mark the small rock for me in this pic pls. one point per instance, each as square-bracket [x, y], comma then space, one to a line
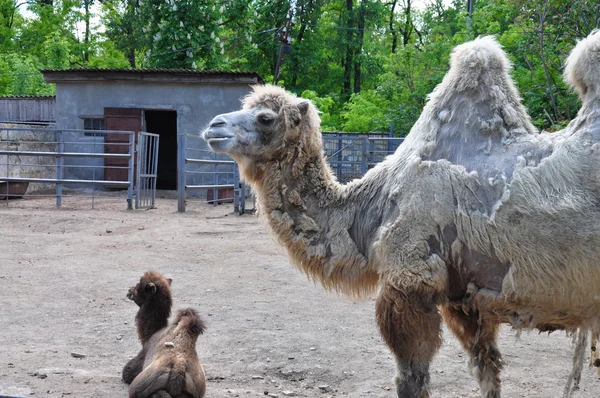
[289, 393]
[325, 388]
[257, 378]
[77, 355]
[108, 231]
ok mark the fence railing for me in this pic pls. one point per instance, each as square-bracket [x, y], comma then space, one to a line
[46, 160]
[351, 155]
[207, 176]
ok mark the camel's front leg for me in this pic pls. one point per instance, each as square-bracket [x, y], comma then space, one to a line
[410, 324]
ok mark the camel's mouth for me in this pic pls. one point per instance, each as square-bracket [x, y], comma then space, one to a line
[218, 139]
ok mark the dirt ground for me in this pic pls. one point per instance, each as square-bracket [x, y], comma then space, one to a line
[64, 274]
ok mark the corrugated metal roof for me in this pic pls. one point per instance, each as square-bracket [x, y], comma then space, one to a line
[160, 75]
[27, 96]
[152, 70]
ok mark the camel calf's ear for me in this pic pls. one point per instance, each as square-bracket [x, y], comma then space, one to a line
[150, 288]
[303, 107]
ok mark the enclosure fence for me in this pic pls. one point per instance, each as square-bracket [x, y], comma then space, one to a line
[351, 155]
[214, 178]
[207, 176]
[64, 163]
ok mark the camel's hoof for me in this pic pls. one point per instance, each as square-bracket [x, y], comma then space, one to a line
[415, 387]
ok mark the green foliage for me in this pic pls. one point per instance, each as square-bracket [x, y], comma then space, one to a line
[326, 106]
[56, 52]
[19, 75]
[365, 112]
[367, 65]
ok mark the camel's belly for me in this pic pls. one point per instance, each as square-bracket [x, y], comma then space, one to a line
[544, 312]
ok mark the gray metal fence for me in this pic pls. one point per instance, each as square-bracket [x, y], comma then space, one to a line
[207, 176]
[351, 155]
[147, 170]
[44, 162]
[214, 178]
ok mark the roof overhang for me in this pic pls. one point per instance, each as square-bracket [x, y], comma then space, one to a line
[150, 75]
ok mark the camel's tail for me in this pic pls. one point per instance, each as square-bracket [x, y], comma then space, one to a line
[582, 69]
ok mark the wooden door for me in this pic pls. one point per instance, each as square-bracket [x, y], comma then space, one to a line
[124, 119]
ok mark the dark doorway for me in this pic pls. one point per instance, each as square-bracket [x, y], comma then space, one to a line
[164, 123]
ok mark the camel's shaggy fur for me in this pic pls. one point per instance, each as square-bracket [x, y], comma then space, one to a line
[477, 213]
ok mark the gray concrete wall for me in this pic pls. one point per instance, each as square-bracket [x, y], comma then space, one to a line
[195, 104]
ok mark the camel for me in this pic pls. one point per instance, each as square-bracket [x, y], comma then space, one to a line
[167, 366]
[477, 219]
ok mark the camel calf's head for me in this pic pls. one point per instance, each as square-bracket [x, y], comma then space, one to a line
[150, 283]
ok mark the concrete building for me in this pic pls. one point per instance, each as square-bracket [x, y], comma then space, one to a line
[172, 103]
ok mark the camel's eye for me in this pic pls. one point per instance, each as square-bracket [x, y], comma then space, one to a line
[265, 119]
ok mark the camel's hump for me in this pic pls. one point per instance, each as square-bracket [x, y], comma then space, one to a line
[582, 69]
[470, 59]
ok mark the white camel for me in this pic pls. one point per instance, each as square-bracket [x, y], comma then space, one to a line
[477, 218]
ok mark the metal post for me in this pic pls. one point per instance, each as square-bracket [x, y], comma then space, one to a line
[155, 147]
[59, 166]
[7, 164]
[131, 170]
[339, 157]
[236, 188]
[139, 172]
[243, 199]
[365, 159]
[390, 143]
[181, 144]
[215, 191]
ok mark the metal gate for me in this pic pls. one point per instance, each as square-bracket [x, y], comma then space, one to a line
[147, 170]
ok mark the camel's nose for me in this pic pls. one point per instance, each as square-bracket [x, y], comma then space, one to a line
[217, 122]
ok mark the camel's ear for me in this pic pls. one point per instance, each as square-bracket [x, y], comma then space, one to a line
[303, 107]
[150, 288]
[169, 280]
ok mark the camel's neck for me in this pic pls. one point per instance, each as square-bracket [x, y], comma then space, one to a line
[152, 316]
[319, 221]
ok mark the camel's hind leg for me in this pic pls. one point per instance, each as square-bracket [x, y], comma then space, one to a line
[478, 337]
[410, 325]
[595, 357]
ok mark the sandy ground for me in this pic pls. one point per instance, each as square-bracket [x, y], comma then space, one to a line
[64, 274]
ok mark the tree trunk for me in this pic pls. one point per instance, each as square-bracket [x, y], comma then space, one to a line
[86, 51]
[348, 61]
[131, 57]
[295, 58]
[392, 29]
[542, 15]
[407, 24]
[359, 45]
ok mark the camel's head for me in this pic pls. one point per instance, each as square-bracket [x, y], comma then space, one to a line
[270, 124]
